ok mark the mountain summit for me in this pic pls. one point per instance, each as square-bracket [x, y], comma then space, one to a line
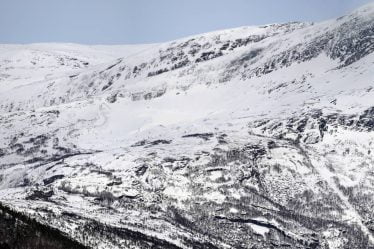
[254, 137]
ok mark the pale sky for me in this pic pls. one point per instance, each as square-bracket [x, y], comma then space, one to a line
[150, 21]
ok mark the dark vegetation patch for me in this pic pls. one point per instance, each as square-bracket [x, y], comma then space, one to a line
[158, 72]
[18, 231]
[159, 141]
[147, 143]
[204, 136]
[140, 239]
[40, 195]
[52, 179]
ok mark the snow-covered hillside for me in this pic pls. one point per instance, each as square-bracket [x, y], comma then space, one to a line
[255, 137]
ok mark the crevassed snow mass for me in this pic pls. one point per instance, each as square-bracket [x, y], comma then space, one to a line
[255, 137]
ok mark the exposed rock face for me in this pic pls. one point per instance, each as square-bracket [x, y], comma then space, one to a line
[256, 137]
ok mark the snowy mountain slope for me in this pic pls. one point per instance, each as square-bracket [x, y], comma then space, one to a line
[256, 137]
[26, 64]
